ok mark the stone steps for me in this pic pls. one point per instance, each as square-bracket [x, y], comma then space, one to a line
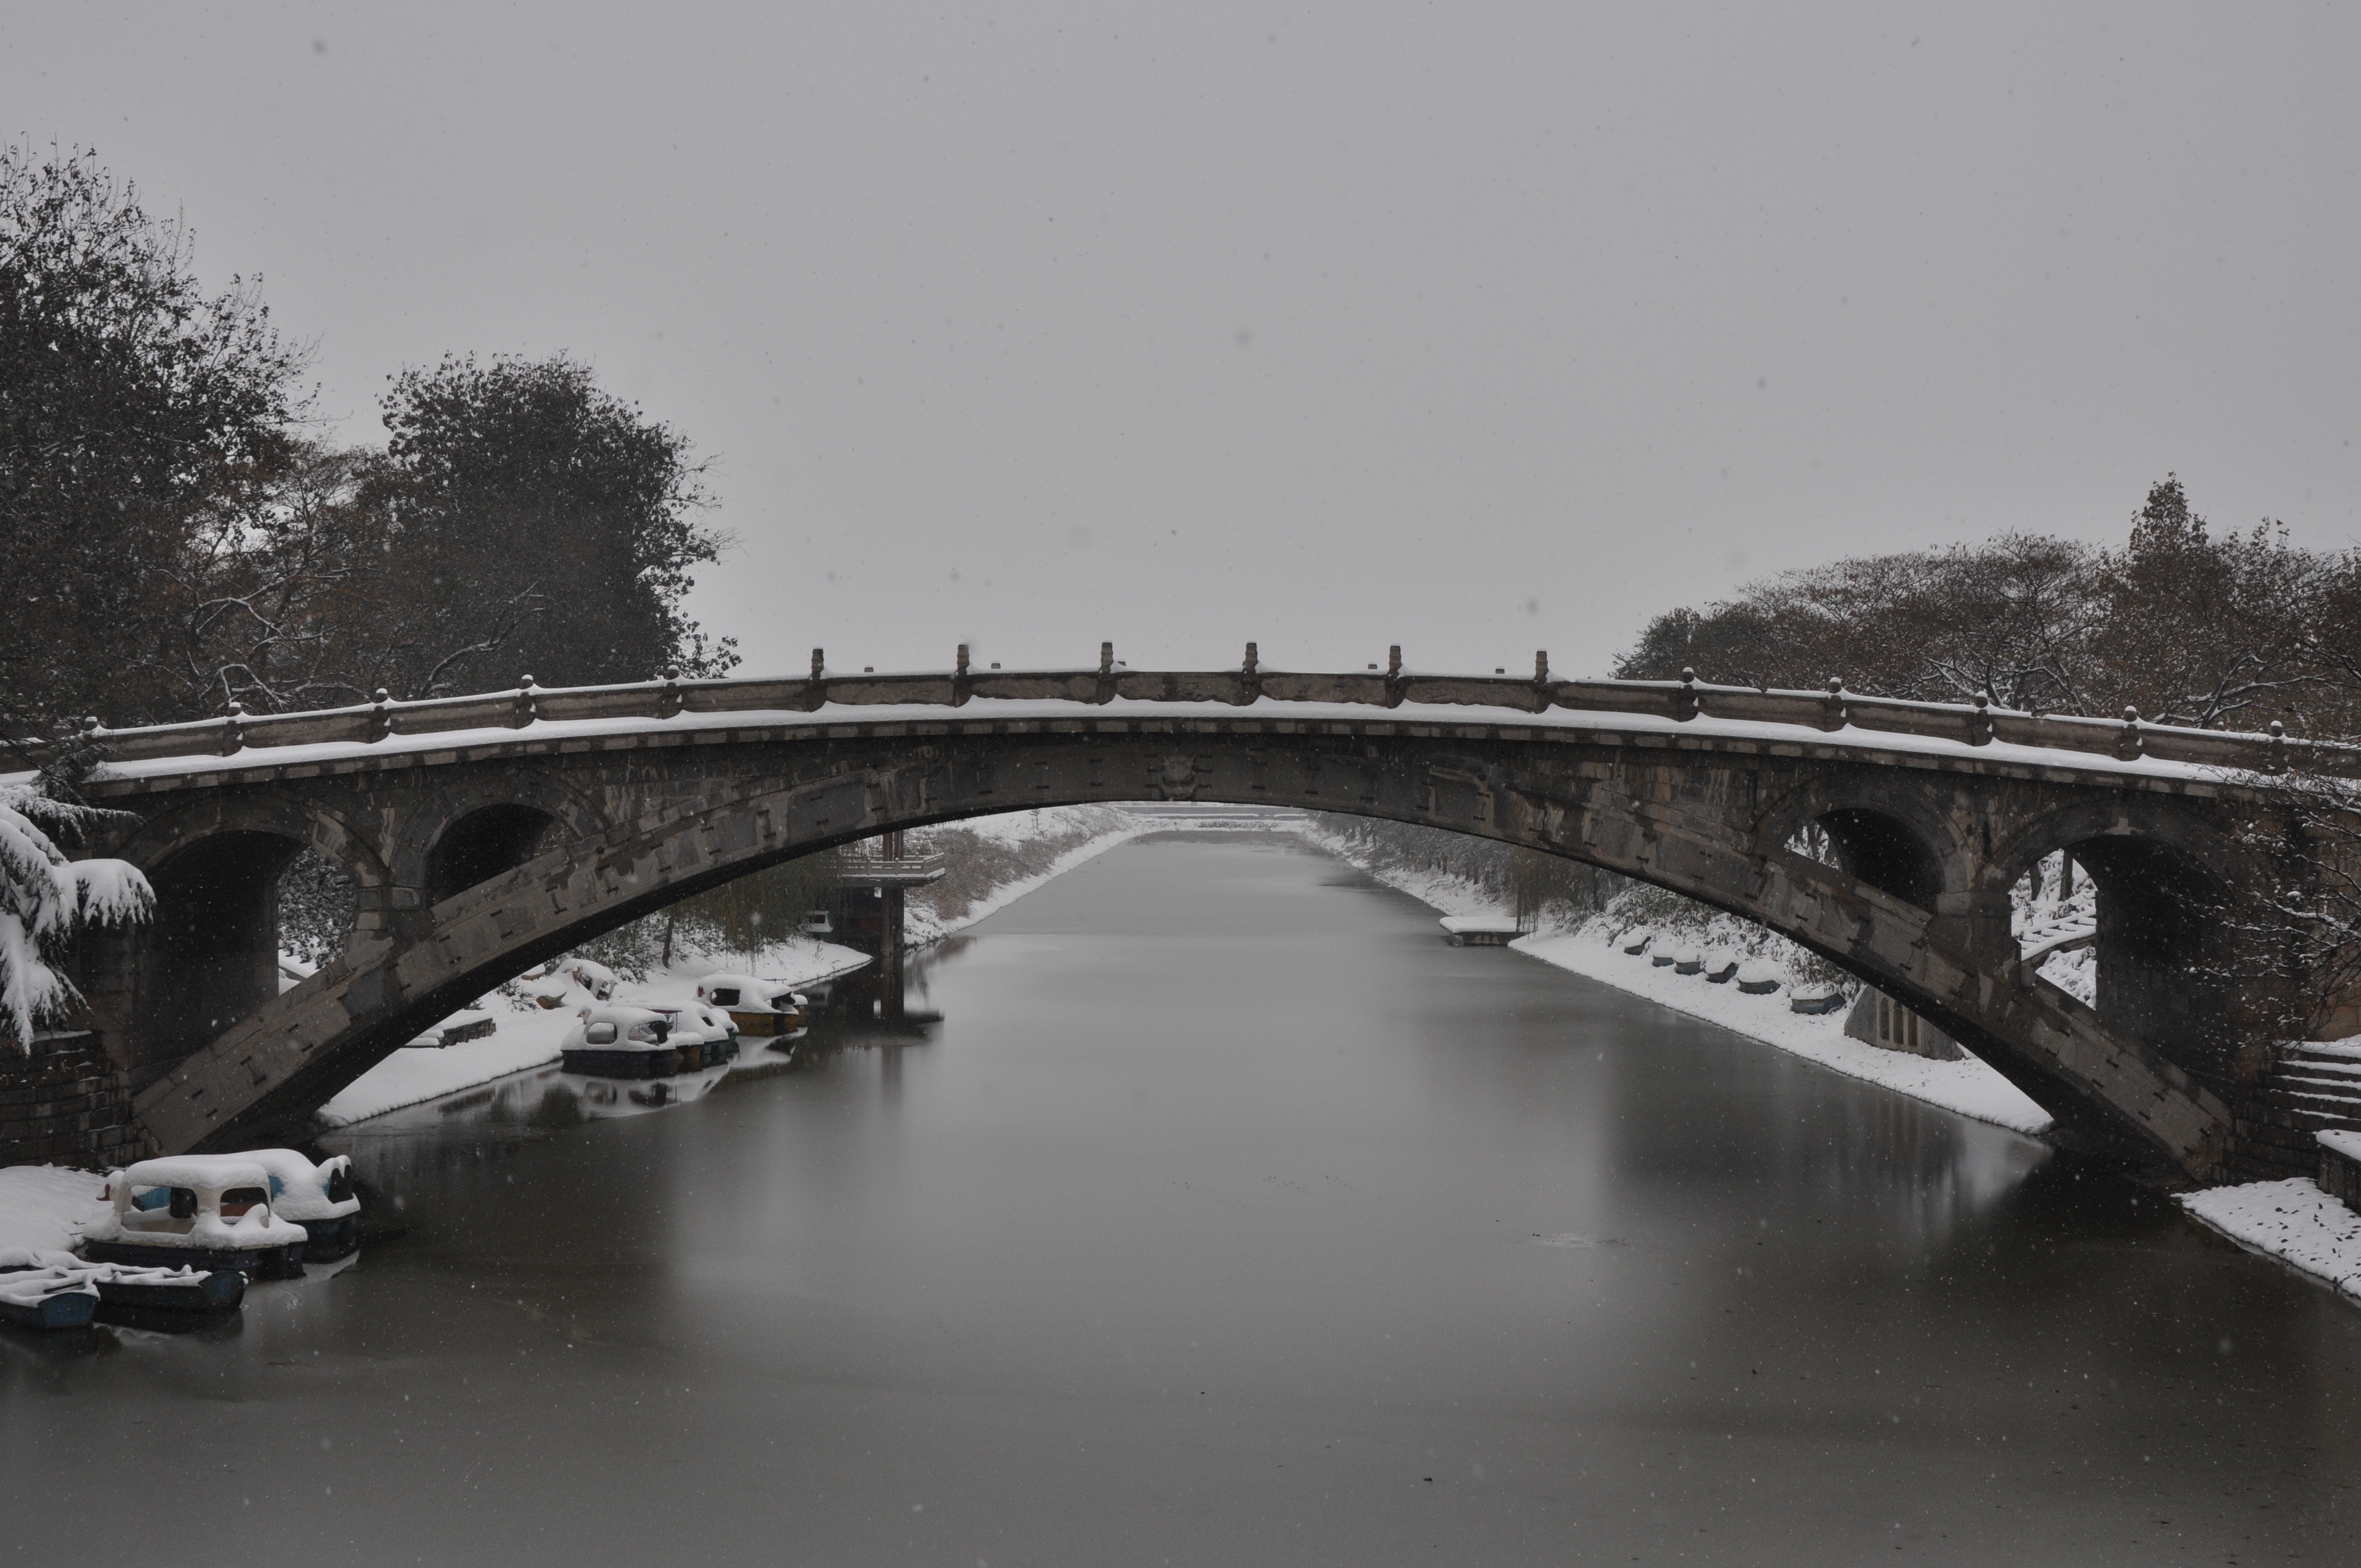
[2310, 1091]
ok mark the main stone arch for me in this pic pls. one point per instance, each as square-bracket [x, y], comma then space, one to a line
[675, 812]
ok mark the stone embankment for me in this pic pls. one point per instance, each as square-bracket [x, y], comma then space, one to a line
[65, 1102]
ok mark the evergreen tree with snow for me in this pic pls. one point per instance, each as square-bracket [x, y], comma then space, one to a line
[44, 898]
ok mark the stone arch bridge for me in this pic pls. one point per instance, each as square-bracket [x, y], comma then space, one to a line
[484, 833]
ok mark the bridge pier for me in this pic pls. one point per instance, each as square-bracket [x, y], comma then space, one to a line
[885, 873]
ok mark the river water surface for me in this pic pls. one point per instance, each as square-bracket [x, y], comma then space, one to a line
[1228, 1216]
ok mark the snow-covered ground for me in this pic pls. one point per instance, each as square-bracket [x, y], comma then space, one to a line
[1967, 1087]
[45, 1208]
[2292, 1221]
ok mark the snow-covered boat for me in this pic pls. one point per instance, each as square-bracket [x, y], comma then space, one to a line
[45, 1290]
[1719, 965]
[615, 1041]
[573, 984]
[123, 1290]
[700, 1036]
[197, 1210]
[1689, 961]
[1759, 977]
[320, 1198]
[756, 1006]
[1817, 999]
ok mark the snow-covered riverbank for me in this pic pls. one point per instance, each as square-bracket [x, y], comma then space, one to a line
[1967, 1087]
[1039, 845]
[45, 1207]
[2292, 1221]
[529, 1036]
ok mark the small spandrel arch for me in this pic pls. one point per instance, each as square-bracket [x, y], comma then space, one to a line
[1881, 850]
[483, 844]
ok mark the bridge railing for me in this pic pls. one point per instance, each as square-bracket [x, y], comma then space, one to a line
[1683, 701]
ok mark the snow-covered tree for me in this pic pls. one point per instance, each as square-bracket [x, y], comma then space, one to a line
[44, 898]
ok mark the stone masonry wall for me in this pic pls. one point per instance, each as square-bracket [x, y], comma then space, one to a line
[65, 1104]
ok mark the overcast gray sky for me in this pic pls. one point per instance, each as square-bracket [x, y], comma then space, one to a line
[1478, 329]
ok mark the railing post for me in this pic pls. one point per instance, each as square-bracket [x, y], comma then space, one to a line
[528, 706]
[2274, 750]
[1833, 714]
[1688, 704]
[234, 731]
[381, 714]
[1979, 723]
[1395, 683]
[1249, 677]
[2129, 744]
[962, 687]
[814, 695]
[1105, 692]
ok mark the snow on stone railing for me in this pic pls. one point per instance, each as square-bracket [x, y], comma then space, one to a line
[1981, 723]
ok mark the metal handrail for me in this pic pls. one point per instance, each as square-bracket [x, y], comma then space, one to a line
[862, 858]
[1832, 709]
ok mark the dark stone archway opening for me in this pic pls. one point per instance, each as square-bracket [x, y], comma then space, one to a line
[214, 938]
[483, 844]
[1884, 853]
[2165, 957]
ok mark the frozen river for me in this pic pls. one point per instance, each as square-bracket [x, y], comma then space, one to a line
[1229, 1216]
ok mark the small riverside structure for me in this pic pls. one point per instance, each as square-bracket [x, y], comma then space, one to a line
[1481, 930]
[1879, 1020]
[884, 874]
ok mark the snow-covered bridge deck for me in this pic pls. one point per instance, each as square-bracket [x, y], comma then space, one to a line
[1640, 712]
